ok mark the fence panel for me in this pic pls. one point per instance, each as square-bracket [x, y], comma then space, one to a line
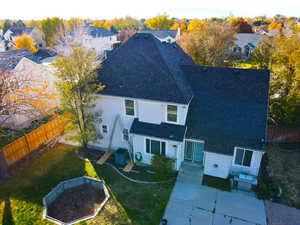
[33, 140]
[16, 150]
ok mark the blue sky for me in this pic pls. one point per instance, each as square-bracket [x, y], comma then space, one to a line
[107, 9]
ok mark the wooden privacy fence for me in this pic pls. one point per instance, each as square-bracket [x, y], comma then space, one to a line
[32, 141]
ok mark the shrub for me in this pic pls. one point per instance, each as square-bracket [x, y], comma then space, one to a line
[267, 187]
[163, 166]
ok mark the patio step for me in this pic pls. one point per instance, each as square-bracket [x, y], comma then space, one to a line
[105, 157]
[128, 167]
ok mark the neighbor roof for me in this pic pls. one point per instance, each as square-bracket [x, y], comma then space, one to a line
[43, 53]
[243, 39]
[168, 131]
[161, 33]
[145, 68]
[9, 59]
[229, 107]
[17, 31]
[99, 32]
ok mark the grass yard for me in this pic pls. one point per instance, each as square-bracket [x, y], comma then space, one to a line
[130, 203]
[215, 182]
[284, 168]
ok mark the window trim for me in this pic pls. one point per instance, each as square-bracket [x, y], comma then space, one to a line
[134, 107]
[177, 113]
[106, 128]
[154, 139]
[123, 135]
[245, 149]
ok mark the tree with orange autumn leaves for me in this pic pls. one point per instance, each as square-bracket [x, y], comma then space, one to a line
[25, 42]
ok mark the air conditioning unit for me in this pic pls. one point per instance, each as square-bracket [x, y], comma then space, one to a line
[244, 181]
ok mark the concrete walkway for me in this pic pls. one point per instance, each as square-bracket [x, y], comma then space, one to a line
[194, 204]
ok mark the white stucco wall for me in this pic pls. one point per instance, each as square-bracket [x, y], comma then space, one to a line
[156, 112]
[146, 111]
[225, 164]
[217, 165]
[110, 107]
[171, 151]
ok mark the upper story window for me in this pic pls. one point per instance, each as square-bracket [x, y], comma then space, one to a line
[104, 129]
[129, 107]
[172, 113]
[243, 157]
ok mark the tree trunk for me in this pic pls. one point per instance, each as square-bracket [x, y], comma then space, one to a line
[3, 166]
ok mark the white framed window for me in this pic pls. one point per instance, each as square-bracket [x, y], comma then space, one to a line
[243, 157]
[172, 113]
[104, 129]
[129, 107]
[155, 147]
[125, 134]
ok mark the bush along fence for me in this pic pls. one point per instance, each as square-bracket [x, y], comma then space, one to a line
[30, 142]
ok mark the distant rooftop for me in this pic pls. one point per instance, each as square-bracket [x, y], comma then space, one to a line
[9, 59]
[99, 32]
[17, 31]
[244, 39]
[161, 33]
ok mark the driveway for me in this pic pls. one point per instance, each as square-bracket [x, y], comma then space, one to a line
[194, 204]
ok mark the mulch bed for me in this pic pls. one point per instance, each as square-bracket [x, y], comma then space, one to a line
[76, 203]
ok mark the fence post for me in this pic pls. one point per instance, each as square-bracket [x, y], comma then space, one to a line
[3, 166]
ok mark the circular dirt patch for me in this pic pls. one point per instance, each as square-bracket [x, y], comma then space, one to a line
[76, 202]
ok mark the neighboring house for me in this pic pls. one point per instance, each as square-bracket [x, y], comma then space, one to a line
[157, 101]
[12, 33]
[98, 39]
[164, 35]
[24, 64]
[246, 42]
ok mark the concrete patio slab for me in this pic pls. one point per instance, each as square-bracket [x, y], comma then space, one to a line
[191, 203]
[227, 220]
[241, 206]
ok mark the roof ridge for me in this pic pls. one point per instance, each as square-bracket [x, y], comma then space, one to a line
[167, 65]
[163, 53]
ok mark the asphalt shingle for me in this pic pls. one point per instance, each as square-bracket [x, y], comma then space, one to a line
[145, 68]
[161, 33]
[229, 107]
[168, 131]
[9, 59]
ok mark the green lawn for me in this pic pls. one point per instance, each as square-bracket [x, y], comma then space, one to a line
[130, 203]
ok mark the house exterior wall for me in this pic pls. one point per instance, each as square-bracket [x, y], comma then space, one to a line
[222, 166]
[99, 44]
[173, 152]
[253, 169]
[156, 112]
[217, 165]
[147, 111]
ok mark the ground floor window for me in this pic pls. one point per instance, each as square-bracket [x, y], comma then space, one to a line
[243, 157]
[125, 134]
[155, 147]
